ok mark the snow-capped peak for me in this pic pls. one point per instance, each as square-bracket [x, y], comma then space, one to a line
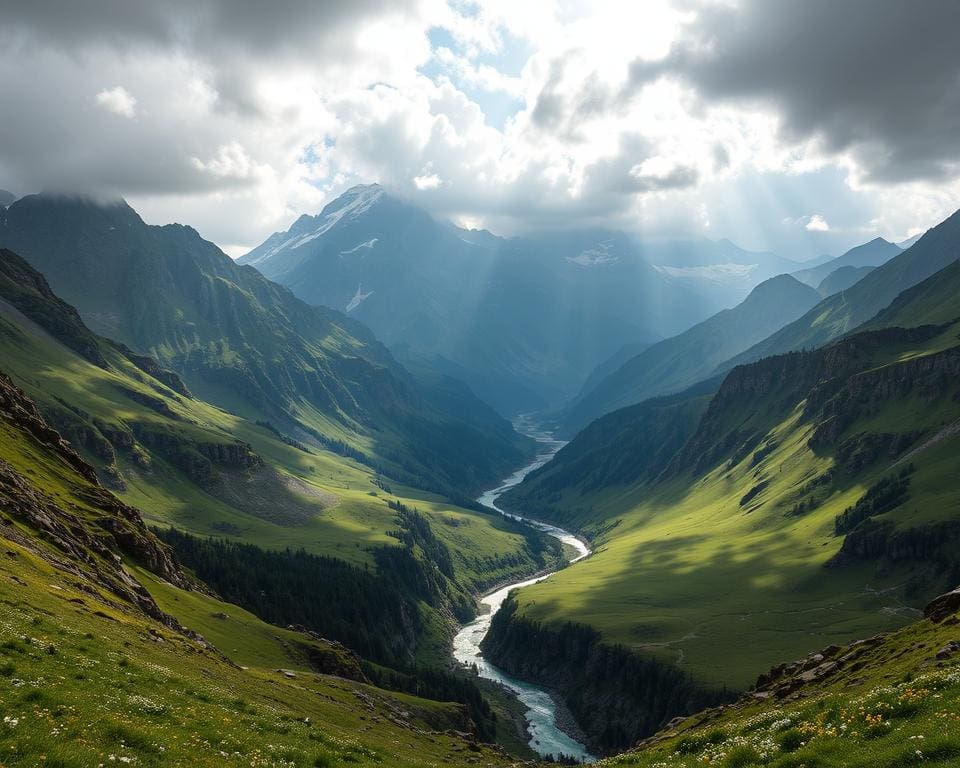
[350, 205]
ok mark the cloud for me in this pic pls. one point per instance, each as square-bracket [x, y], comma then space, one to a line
[876, 79]
[427, 181]
[685, 117]
[118, 100]
[817, 223]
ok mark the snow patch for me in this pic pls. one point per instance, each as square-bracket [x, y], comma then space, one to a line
[721, 274]
[369, 244]
[358, 298]
[593, 257]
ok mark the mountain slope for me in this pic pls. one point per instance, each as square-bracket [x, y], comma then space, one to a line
[813, 502]
[678, 362]
[931, 302]
[873, 254]
[521, 320]
[841, 279]
[188, 464]
[841, 313]
[95, 670]
[885, 700]
[248, 345]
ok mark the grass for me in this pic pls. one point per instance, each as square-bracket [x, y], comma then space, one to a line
[684, 572]
[898, 707]
[81, 681]
[343, 513]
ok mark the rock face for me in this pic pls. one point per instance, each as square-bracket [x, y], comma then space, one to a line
[941, 608]
[86, 534]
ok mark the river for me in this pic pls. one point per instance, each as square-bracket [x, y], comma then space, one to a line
[546, 738]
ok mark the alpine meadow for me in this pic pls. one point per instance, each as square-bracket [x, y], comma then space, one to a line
[470, 383]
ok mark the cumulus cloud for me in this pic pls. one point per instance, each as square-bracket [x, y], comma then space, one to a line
[118, 100]
[817, 223]
[879, 79]
[685, 116]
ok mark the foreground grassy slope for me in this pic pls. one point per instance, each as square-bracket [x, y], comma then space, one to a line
[737, 538]
[885, 702]
[97, 665]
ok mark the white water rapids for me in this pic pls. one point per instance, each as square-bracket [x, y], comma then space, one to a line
[546, 738]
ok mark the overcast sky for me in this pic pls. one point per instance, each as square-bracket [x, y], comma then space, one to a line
[802, 127]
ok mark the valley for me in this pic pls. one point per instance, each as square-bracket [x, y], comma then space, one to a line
[802, 500]
[475, 384]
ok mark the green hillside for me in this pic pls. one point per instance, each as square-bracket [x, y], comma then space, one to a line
[249, 346]
[188, 464]
[890, 700]
[814, 503]
[930, 302]
[101, 664]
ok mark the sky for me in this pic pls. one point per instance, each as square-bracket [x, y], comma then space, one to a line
[803, 127]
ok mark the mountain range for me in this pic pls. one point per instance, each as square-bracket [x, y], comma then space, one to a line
[249, 346]
[252, 516]
[872, 254]
[520, 320]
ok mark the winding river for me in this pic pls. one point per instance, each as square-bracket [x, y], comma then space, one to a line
[546, 738]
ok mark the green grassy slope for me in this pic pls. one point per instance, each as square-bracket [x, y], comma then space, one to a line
[248, 345]
[888, 701]
[681, 361]
[930, 302]
[94, 670]
[737, 539]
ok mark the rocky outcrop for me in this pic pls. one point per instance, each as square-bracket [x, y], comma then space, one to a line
[330, 657]
[943, 607]
[784, 680]
[153, 369]
[89, 531]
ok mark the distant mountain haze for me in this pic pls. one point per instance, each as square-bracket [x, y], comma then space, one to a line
[678, 362]
[878, 251]
[842, 313]
[841, 279]
[522, 320]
